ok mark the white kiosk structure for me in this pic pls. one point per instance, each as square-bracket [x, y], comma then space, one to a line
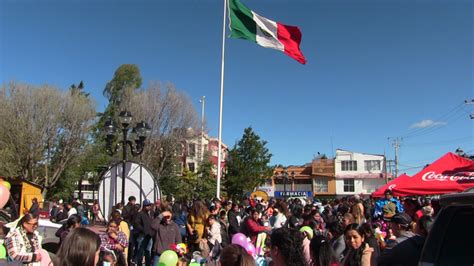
[139, 182]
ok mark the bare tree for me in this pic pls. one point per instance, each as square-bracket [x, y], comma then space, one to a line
[41, 130]
[169, 113]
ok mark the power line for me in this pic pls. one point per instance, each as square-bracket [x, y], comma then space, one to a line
[454, 112]
[411, 168]
[441, 142]
[460, 113]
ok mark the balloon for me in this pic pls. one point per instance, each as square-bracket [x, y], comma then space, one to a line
[7, 184]
[194, 264]
[168, 258]
[308, 231]
[45, 259]
[3, 252]
[250, 248]
[240, 239]
[4, 196]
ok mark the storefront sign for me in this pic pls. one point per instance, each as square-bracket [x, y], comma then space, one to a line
[281, 194]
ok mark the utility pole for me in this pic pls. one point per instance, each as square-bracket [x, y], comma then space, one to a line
[396, 145]
[201, 148]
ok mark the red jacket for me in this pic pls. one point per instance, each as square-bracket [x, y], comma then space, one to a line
[252, 229]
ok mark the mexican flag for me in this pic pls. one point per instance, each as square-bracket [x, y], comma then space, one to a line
[246, 24]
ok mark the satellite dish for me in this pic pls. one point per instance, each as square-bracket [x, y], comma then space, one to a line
[139, 182]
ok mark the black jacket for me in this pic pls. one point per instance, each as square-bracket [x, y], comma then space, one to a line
[34, 209]
[406, 253]
[142, 224]
[129, 213]
[234, 227]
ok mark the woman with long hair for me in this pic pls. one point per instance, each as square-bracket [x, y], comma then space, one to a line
[74, 221]
[357, 212]
[235, 255]
[196, 222]
[358, 252]
[286, 247]
[322, 253]
[23, 242]
[81, 248]
[369, 236]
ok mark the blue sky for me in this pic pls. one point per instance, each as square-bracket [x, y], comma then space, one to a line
[376, 68]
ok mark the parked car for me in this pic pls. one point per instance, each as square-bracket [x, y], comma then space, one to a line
[450, 240]
[47, 230]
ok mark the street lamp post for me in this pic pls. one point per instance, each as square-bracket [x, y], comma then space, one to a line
[139, 133]
[284, 177]
[292, 174]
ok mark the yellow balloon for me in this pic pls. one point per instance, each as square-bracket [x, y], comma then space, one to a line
[7, 184]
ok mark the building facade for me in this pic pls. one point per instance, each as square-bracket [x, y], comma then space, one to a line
[358, 173]
[315, 179]
[196, 147]
[323, 176]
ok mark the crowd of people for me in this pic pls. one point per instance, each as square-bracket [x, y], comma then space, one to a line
[348, 231]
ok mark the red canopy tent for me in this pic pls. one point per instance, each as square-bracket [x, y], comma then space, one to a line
[450, 173]
[379, 193]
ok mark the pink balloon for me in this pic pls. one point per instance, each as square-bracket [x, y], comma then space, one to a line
[45, 259]
[4, 195]
[240, 239]
[250, 249]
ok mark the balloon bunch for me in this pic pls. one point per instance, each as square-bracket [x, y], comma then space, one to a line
[4, 192]
[181, 249]
[168, 258]
[241, 240]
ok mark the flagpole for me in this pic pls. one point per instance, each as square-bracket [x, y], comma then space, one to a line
[219, 148]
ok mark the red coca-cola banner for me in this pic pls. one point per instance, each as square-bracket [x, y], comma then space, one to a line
[379, 193]
[450, 173]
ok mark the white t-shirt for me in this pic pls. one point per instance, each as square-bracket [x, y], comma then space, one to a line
[71, 212]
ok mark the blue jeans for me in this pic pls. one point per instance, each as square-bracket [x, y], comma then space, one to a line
[156, 259]
[144, 244]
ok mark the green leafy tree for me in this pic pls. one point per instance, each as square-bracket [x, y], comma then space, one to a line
[206, 180]
[247, 164]
[127, 78]
[190, 185]
[119, 91]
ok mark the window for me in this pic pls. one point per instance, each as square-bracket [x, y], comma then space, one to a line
[191, 167]
[349, 185]
[192, 150]
[321, 185]
[371, 165]
[349, 165]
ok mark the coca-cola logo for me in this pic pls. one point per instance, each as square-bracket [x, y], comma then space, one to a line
[433, 176]
[392, 186]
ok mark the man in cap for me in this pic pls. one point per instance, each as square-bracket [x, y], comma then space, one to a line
[400, 224]
[167, 234]
[144, 232]
[408, 252]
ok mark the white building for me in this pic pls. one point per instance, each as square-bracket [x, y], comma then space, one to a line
[358, 173]
[88, 192]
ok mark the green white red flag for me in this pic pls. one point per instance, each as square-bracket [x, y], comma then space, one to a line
[246, 24]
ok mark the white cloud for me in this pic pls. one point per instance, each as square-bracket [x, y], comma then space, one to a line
[427, 123]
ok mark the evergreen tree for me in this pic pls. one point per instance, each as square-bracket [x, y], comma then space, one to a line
[247, 165]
